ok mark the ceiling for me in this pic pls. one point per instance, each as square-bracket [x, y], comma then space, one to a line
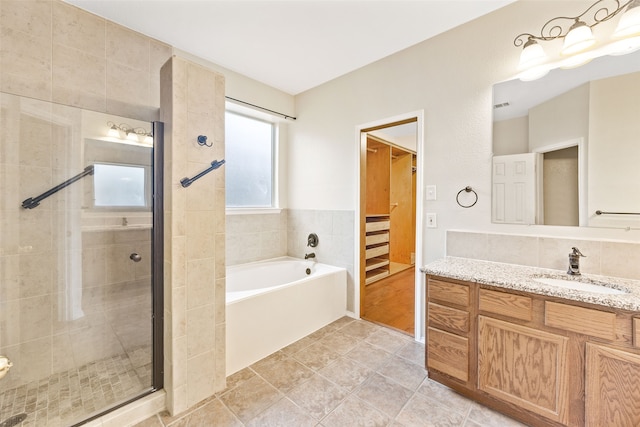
[291, 45]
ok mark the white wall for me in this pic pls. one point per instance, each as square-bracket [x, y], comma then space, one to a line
[614, 148]
[450, 77]
[560, 119]
[246, 89]
[511, 136]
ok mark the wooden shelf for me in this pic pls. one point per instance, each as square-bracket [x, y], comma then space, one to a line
[374, 263]
[375, 275]
[377, 247]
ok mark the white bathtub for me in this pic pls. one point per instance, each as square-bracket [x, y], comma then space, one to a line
[273, 303]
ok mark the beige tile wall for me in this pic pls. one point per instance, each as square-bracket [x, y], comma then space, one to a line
[192, 99]
[256, 237]
[608, 258]
[335, 230]
[56, 52]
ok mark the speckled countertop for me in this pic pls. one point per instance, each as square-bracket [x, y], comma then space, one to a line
[521, 278]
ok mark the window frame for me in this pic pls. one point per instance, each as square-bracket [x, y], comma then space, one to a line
[147, 184]
[275, 164]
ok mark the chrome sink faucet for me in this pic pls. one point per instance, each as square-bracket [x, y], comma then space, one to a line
[574, 262]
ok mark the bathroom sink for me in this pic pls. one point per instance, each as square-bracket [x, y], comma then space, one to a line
[579, 285]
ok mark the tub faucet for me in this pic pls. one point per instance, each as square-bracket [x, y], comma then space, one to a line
[574, 262]
[311, 255]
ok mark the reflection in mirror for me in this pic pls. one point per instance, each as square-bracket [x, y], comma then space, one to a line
[568, 145]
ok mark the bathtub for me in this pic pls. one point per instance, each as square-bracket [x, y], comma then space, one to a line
[271, 304]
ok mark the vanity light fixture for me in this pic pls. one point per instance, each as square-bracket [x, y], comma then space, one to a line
[580, 45]
[125, 132]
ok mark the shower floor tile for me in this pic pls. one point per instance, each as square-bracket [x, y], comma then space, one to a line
[71, 396]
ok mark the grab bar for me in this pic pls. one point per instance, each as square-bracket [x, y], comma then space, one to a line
[185, 182]
[33, 202]
[599, 212]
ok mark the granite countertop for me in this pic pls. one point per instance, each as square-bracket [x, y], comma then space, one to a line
[520, 278]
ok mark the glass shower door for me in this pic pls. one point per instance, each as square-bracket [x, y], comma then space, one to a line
[76, 262]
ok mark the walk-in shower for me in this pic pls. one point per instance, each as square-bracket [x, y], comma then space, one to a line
[80, 228]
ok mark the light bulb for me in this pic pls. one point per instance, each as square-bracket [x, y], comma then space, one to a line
[532, 54]
[132, 136]
[629, 23]
[113, 132]
[578, 39]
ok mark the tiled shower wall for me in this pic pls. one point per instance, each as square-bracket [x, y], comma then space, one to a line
[608, 258]
[56, 52]
[257, 237]
[53, 51]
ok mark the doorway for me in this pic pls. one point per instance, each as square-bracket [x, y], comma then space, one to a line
[388, 207]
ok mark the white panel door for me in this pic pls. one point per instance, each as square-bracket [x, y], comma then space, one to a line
[514, 189]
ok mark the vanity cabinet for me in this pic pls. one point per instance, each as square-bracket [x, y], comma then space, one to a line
[448, 329]
[543, 360]
[612, 387]
[524, 366]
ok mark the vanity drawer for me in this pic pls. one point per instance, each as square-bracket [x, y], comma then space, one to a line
[448, 318]
[582, 320]
[515, 306]
[448, 353]
[636, 331]
[448, 292]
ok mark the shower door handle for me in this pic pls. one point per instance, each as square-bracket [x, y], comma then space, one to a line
[135, 257]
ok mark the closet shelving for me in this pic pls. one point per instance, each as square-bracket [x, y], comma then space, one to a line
[390, 209]
[377, 247]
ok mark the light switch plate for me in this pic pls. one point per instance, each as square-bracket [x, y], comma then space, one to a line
[431, 192]
[432, 220]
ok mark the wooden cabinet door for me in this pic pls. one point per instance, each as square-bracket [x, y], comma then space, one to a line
[448, 353]
[524, 366]
[612, 390]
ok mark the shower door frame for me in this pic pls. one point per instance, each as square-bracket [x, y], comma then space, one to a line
[157, 274]
[157, 254]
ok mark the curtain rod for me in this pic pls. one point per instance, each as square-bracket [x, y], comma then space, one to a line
[286, 116]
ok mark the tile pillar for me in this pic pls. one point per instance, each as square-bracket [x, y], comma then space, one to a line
[192, 103]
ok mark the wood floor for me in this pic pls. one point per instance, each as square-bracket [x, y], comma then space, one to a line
[390, 301]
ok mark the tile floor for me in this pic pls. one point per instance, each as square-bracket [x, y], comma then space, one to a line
[349, 373]
[68, 397]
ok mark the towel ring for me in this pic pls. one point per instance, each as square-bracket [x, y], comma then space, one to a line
[468, 190]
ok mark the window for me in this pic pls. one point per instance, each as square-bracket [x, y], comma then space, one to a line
[119, 186]
[249, 152]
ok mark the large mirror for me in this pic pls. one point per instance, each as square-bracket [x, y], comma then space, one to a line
[566, 148]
